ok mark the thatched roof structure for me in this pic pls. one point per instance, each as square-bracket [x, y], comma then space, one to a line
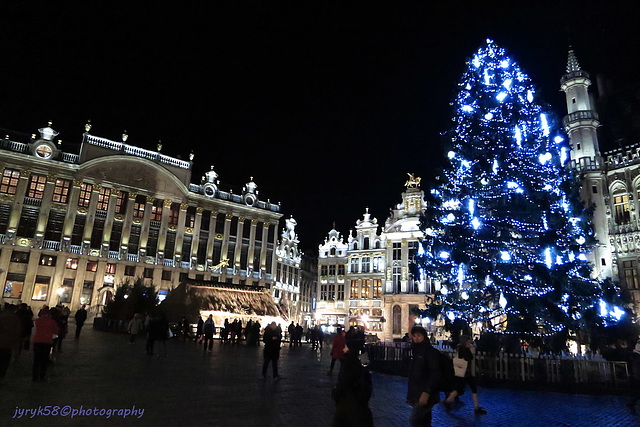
[189, 298]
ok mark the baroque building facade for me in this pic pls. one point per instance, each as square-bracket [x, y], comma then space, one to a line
[75, 226]
[369, 280]
[610, 184]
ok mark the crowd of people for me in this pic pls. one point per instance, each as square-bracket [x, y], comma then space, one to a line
[51, 326]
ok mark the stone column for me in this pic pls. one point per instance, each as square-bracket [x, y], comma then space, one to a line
[70, 218]
[212, 238]
[179, 256]
[18, 202]
[45, 206]
[91, 216]
[238, 252]
[162, 234]
[126, 226]
[144, 230]
[196, 238]
[252, 247]
[108, 222]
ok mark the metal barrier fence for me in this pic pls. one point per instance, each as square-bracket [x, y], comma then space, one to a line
[572, 372]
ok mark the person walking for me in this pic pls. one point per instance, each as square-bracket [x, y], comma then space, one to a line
[292, 334]
[80, 317]
[425, 374]
[634, 364]
[465, 373]
[209, 331]
[10, 336]
[272, 338]
[135, 327]
[200, 329]
[351, 393]
[337, 352]
[46, 328]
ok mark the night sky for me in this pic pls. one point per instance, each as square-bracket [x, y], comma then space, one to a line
[327, 105]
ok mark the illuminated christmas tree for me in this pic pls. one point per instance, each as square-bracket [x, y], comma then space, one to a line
[506, 235]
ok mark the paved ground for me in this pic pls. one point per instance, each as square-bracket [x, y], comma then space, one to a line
[225, 388]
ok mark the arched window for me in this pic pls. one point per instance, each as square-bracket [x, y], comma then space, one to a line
[366, 243]
[355, 246]
[397, 320]
[621, 208]
[333, 251]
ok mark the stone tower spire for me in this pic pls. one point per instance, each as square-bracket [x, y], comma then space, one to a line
[581, 122]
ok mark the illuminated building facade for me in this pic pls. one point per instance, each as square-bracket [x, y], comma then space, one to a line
[610, 183]
[75, 226]
[368, 279]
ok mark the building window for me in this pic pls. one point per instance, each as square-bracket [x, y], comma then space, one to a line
[130, 270]
[111, 269]
[396, 276]
[377, 289]
[166, 275]
[397, 251]
[103, 199]
[353, 293]
[138, 206]
[21, 257]
[41, 288]
[28, 221]
[92, 266]
[61, 191]
[630, 274]
[366, 289]
[397, 320]
[174, 213]
[48, 260]
[87, 292]
[340, 295]
[10, 180]
[341, 270]
[323, 270]
[65, 292]
[190, 217]
[594, 189]
[85, 195]
[354, 265]
[156, 210]
[332, 270]
[366, 264]
[36, 186]
[121, 202]
[148, 273]
[72, 263]
[621, 209]
[13, 286]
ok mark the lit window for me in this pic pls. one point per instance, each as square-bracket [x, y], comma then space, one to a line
[156, 210]
[44, 151]
[138, 206]
[36, 186]
[9, 181]
[174, 213]
[111, 269]
[85, 195]
[92, 266]
[121, 202]
[72, 263]
[103, 199]
[61, 191]
[621, 209]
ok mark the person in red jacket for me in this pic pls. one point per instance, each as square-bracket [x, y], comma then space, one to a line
[46, 328]
[337, 351]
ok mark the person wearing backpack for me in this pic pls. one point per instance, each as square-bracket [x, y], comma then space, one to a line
[352, 391]
[465, 373]
[425, 377]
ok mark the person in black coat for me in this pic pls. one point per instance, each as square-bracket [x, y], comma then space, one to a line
[272, 338]
[634, 364]
[352, 408]
[209, 331]
[425, 373]
[81, 317]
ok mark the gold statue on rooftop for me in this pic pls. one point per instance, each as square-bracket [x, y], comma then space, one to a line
[413, 182]
[224, 262]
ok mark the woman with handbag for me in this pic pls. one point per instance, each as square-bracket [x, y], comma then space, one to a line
[465, 373]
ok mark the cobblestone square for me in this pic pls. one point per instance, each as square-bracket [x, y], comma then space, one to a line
[225, 387]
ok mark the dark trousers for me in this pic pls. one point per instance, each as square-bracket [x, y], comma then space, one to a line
[40, 359]
[5, 359]
[78, 329]
[150, 342]
[208, 339]
[274, 365]
[421, 415]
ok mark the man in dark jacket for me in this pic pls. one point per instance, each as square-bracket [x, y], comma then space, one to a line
[209, 331]
[81, 317]
[634, 365]
[425, 374]
[272, 338]
[352, 403]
